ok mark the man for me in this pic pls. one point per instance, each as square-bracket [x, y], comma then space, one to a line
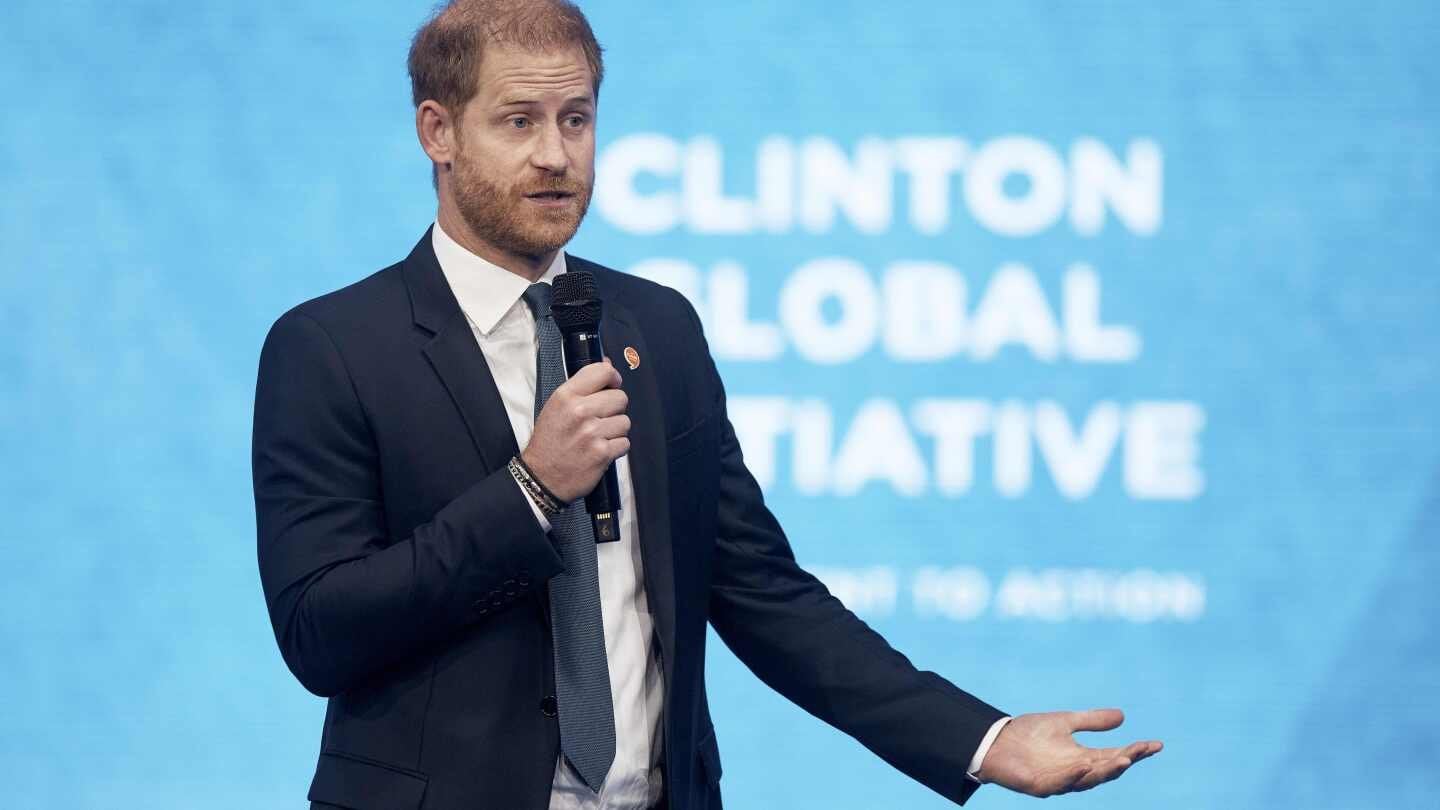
[478, 648]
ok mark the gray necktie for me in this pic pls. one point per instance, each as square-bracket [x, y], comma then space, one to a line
[582, 677]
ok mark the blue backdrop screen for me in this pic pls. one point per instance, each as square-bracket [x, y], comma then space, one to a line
[1088, 351]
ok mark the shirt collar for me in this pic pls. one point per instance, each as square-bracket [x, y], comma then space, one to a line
[485, 291]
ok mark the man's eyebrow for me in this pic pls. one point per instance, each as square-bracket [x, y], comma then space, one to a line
[523, 101]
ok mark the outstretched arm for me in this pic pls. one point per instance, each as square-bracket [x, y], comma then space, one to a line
[783, 624]
[801, 641]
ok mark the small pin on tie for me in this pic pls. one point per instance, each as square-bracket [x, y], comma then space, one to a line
[632, 358]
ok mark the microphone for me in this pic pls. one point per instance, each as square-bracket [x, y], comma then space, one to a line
[576, 309]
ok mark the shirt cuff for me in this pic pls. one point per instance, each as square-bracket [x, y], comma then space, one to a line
[977, 761]
[539, 516]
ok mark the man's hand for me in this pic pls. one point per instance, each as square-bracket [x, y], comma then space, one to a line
[581, 429]
[1035, 753]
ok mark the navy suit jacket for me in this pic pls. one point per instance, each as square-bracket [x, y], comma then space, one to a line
[405, 574]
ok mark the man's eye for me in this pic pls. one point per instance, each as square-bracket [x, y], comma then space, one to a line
[576, 120]
[518, 123]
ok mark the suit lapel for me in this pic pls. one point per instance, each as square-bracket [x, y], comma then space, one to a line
[457, 358]
[461, 365]
[648, 472]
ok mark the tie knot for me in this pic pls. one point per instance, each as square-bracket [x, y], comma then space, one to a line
[537, 297]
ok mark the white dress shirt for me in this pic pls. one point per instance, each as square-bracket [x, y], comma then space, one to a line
[490, 297]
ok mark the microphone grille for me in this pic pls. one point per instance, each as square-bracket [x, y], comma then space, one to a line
[572, 286]
[574, 302]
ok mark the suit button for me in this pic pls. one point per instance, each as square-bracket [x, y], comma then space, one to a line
[548, 706]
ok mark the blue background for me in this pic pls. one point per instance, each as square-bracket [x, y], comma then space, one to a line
[173, 176]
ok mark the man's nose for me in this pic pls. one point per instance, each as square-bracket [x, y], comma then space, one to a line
[550, 153]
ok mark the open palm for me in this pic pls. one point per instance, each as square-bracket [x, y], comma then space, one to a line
[1036, 754]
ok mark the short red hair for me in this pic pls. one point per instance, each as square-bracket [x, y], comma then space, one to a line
[445, 55]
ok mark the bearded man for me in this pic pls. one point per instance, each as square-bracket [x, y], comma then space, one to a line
[419, 461]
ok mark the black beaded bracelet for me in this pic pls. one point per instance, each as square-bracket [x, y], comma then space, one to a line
[539, 493]
[532, 489]
[559, 504]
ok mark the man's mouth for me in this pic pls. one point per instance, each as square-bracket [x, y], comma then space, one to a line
[550, 196]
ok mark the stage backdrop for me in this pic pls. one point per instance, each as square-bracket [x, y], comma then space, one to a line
[1087, 350]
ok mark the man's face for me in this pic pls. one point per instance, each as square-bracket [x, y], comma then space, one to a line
[525, 165]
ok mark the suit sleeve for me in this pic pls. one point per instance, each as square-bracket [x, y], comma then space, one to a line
[346, 600]
[800, 640]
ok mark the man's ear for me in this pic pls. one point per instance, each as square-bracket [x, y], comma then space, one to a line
[435, 127]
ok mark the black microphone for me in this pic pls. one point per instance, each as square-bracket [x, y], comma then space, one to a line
[576, 309]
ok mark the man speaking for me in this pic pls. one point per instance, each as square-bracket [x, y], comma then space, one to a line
[422, 456]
